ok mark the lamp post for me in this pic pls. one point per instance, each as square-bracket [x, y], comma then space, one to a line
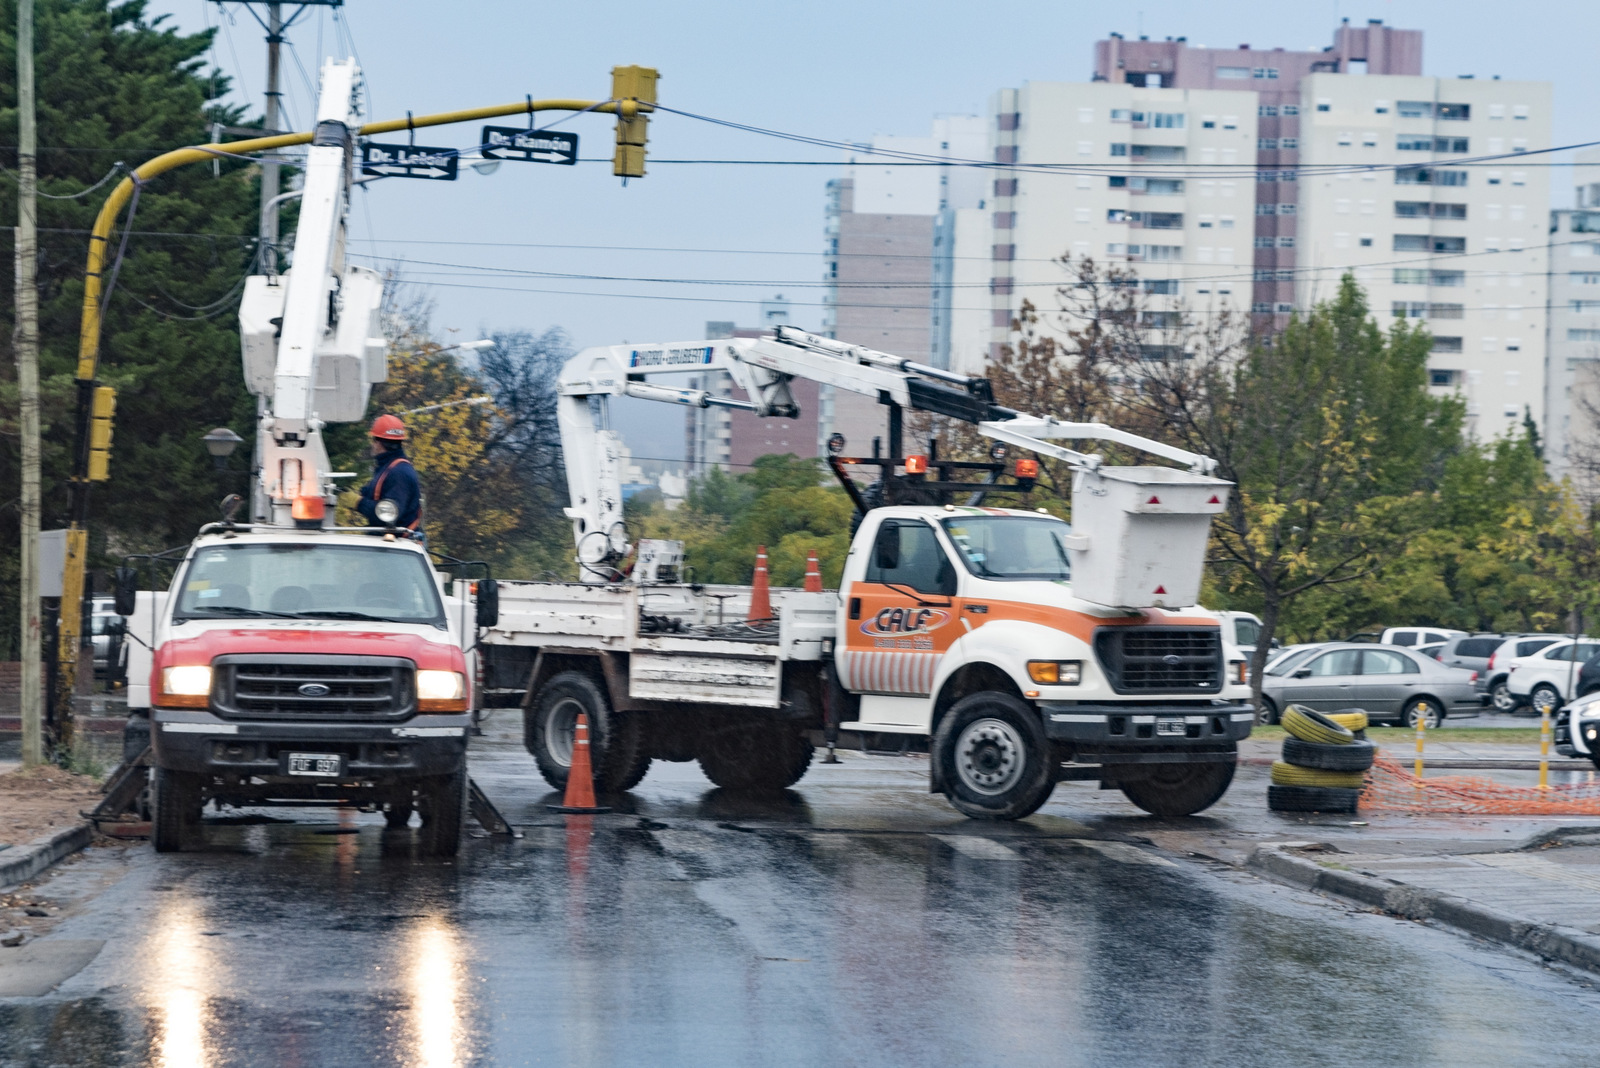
[220, 443]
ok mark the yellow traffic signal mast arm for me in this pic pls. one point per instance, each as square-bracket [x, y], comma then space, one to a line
[633, 98]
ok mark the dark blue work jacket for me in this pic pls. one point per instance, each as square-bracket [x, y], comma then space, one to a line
[394, 479]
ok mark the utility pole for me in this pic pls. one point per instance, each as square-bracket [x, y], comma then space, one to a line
[276, 27]
[25, 342]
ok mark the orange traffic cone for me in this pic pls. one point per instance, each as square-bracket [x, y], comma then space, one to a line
[760, 594]
[813, 573]
[580, 776]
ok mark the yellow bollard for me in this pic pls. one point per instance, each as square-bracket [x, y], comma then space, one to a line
[1422, 734]
[1544, 749]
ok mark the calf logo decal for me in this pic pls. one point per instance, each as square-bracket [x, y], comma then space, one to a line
[904, 628]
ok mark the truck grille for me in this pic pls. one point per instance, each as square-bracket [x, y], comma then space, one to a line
[309, 687]
[1161, 659]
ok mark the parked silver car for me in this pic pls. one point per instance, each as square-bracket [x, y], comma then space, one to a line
[1389, 682]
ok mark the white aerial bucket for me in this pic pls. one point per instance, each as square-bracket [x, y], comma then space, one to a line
[1139, 534]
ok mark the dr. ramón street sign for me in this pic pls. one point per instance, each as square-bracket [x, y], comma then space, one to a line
[409, 161]
[529, 146]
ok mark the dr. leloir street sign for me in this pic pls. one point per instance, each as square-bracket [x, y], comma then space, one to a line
[529, 146]
[409, 161]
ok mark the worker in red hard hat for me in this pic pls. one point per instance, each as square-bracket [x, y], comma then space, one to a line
[393, 477]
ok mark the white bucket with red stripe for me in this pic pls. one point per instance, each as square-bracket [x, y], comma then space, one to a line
[1139, 534]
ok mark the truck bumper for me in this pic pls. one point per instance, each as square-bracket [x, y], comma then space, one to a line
[1122, 734]
[206, 744]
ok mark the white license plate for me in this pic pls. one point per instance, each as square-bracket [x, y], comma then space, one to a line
[317, 765]
[1172, 727]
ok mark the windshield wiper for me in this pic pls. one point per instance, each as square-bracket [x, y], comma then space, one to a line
[339, 614]
[228, 611]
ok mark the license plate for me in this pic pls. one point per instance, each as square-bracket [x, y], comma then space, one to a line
[316, 765]
[1172, 727]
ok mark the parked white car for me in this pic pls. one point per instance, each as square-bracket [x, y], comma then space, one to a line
[1547, 679]
[1411, 637]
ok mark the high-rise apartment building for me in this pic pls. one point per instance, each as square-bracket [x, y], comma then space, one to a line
[1274, 75]
[1395, 187]
[882, 220]
[1159, 188]
[1572, 340]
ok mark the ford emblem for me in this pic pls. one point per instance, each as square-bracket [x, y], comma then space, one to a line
[316, 689]
[1171, 660]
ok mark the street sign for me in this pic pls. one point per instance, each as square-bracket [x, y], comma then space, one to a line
[409, 161]
[529, 146]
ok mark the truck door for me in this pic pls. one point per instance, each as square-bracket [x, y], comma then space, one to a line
[901, 617]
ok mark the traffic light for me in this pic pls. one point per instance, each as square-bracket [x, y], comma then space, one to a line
[104, 407]
[634, 89]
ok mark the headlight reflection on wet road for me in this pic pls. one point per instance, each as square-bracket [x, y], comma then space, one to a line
[434, 954]
[184, 970]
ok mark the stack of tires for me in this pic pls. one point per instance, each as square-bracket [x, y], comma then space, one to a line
[1325, 760]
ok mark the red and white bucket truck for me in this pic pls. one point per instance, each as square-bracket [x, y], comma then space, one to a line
[291, 661]
[1019, 650]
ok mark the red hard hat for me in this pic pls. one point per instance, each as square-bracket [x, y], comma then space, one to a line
[388, 428]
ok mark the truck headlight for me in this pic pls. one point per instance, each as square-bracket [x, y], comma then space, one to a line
[440, 686]
[1056, 672]
[190, 680]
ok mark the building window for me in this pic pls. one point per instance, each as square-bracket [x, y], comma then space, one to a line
[1264, 307]
[1161, 286]
[1347, 138]
[1424, 143]
[1167, 120]
[1267, 110]
[1341, 239]
[1458, 112]
[1446, 344]
[1225, 222]
[1230, 122]
[1416, 109]
[1005, 187]
[1085, 148]
[1586, 307]
[1340, 206]
[1286, 242]
[1207, 222]
[1005, 154]
[1369, 139]
[1287, 176]
[1166, 153]
[1369, 207]
[1513, 344]
[1266, 144]
[1519, 144]
[1428, 176]
[1519, 111]
[1231, 73]
[1449, 244]
[1288, 143]
[1497, 111]
[1491, 212]
[1410, 276]
[1000, 286]
[1411, 242]
[1208, 122]
[1576, 334]
[1284, 307]
[1008, 121]
[1118, 149]
[1519, 177]
[1266, 209]
[1269, 73]
[1005, 220]
[1263, 242]
[1163, 252]
[1324, 104]
[1446, 311]
[999, 317]
[1263, 275]
[1366, 240]
[1584, 278]
[1491, 344]
[1447, 278]
[1266, 176]
[1285, 276]
[1438, 376]
[1495, 145]
[1005, 252]
[1403, 309]
[1086, 115]
[1380, 107]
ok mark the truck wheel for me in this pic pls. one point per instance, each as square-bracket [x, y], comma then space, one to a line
[177, 798]
[616, 743]
[1180, 789]
[755, 756]
[444, 807]
[397, 816]
[994, 758]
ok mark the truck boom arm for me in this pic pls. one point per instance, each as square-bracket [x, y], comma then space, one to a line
[763, 368]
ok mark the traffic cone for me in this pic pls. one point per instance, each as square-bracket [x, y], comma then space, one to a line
[760, 594]
[579, 799]
[813, 573]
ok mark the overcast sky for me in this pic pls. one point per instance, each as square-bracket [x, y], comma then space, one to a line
[730, 234]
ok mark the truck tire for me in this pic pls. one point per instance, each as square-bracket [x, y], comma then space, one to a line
[759, 756]
[1309, 725]
[444, 809]
[994, 760]
[1311, 799]
[616, 742]
[177, 798]
[1357, 756]
[1286, 774]
[1180, 789]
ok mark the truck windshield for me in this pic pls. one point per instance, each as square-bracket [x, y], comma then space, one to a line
[1011, 547]
[300, 581]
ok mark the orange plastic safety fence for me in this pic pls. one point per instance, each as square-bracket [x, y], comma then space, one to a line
[1392, 787]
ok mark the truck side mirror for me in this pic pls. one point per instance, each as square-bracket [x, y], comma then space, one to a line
[488, 602]
[886, 547]
[127, 590]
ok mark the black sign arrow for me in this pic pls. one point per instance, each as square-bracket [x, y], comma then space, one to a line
[529, 146]
[409, 161]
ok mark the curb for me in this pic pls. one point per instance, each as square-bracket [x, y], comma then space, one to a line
[36, 856]
[1413, 903]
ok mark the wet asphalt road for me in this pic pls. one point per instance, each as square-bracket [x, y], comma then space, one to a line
[853, 921]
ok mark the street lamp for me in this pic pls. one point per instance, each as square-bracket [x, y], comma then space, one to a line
[220, 443]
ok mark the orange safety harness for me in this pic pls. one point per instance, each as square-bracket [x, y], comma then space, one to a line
[377, 488]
